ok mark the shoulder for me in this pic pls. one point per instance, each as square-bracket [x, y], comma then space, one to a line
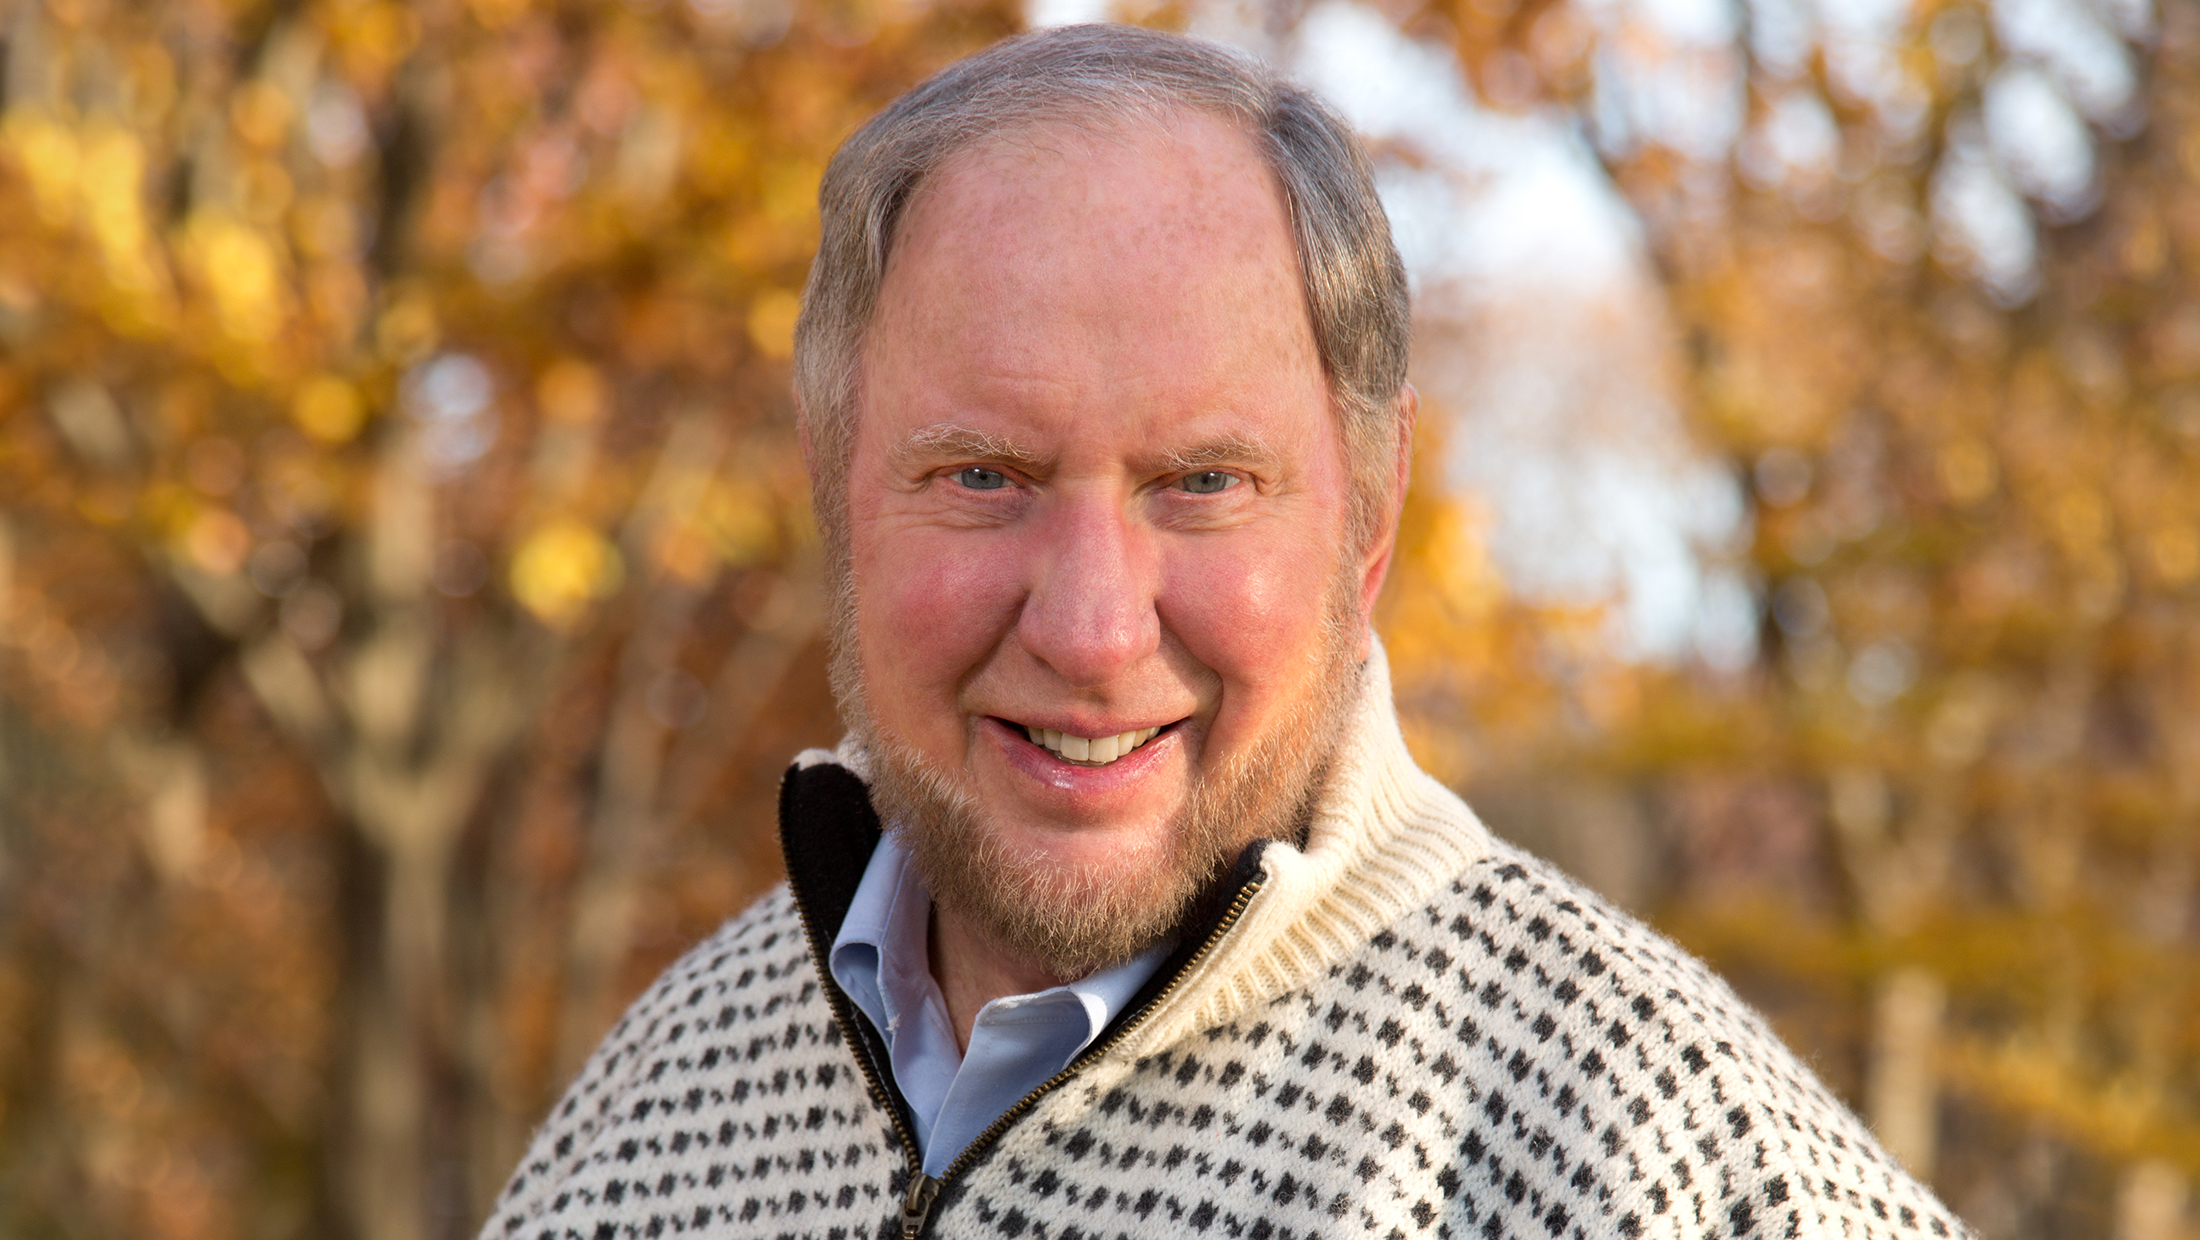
[738, 997]
[751, 968]
[1587, 1020]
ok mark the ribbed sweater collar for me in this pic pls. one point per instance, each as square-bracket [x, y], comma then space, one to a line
[1384, 838]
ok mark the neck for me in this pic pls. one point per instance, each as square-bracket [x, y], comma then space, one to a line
[973, 970]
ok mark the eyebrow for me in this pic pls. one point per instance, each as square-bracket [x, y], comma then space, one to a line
[950, 440]
[1224, 450]
[946, 439]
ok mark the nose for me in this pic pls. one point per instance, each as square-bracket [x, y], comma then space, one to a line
[1090, 614]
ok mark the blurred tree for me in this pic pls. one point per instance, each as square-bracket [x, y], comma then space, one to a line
[1933, 275]
[406, 562]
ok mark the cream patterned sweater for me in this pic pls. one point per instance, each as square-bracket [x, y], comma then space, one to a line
[1407, 1029]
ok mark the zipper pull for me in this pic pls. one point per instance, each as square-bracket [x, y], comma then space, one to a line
[917, 1206]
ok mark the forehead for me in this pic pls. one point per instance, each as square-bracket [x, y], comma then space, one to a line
[1146, 265]
[1171, 174]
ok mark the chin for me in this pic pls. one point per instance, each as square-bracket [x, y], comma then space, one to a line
[1105, 849]
[1073, 893]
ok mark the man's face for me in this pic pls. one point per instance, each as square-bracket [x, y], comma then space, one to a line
[1097, 494]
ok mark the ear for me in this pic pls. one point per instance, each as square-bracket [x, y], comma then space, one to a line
[1376, 566]
[1409, 413]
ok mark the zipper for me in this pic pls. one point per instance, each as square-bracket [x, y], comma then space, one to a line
[917, 1205]
[924, 1190]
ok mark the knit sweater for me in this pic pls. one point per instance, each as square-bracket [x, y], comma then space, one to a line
[1408, 1028]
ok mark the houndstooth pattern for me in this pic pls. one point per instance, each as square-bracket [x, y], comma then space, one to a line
[1514, 1059]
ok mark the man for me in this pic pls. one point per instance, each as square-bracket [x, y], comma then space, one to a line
[1123, 911]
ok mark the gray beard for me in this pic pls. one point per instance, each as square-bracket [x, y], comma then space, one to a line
[1073, 921]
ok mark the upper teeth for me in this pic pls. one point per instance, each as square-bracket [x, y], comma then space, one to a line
[1101, 749]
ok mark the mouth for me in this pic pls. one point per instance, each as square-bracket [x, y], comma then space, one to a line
[1088, 751]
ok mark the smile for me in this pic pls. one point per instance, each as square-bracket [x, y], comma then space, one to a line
[1090, 750]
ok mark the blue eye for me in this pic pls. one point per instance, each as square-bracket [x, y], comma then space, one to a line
[1208, 481]
[982, 479]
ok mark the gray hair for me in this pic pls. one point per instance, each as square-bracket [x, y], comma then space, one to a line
[1354, 282]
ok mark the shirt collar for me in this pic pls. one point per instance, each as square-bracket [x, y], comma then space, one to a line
[881, 957]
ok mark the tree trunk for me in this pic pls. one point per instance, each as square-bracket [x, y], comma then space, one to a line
[1904, 1088]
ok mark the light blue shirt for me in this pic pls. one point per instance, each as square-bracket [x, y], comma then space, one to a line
[881, 958]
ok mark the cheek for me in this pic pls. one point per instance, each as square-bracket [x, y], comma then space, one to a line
[1252, 611]
[928, 611]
